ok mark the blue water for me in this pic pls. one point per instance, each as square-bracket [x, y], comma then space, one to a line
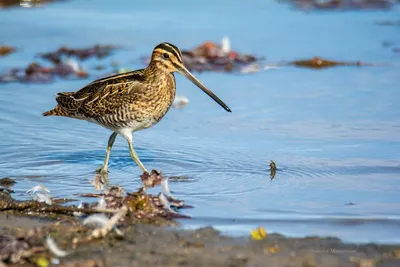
[334, 134]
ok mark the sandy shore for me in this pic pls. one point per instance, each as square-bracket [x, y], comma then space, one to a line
[149, 245]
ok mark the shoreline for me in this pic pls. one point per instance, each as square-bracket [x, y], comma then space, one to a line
[144, 244]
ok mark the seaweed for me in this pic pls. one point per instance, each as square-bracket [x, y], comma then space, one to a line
[115, 210]
[6, 50]
[320, 63]
[6, 181]
[98, 51]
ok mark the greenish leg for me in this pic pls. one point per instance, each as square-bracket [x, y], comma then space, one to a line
[104, 168]
[134, 156]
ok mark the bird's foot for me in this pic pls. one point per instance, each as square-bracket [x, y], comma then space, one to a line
[102, 170]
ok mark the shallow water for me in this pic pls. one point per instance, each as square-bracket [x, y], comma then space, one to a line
[334, 134]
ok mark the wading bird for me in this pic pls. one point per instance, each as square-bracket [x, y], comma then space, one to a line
[132, 101]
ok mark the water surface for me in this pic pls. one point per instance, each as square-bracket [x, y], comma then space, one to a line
[334, 134]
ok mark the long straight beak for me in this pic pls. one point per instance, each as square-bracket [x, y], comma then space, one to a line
[182, 70]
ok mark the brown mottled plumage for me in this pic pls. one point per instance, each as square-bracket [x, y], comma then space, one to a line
[125, 103]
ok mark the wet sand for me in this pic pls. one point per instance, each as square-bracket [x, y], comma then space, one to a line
[149, 245]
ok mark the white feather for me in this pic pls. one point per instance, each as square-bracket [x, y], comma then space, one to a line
[54, 248]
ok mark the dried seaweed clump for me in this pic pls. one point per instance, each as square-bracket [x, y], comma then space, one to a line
[6, 181]
[5, 50]
[320, 63]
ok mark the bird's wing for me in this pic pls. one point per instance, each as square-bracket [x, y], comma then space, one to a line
[103, 96]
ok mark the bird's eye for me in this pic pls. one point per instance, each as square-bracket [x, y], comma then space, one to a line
[165, 55]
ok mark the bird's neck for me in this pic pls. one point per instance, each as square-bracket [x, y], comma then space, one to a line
[156, 71]
[161, 84]
[158, 77]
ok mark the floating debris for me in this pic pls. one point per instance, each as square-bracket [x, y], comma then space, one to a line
[316, 63]
[6, 181]
[66, 63]
[341, 4]
[180, 101]
[35, 72]
[98, 51]
[319, 63]
[40, 193]
[258, 234]
[272, 168]
[5, 50]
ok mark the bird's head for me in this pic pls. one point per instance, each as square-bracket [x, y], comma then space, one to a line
[168, 57]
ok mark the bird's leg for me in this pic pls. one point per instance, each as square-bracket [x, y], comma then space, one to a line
[104, 168]
[134, 156]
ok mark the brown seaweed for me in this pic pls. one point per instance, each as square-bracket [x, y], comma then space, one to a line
[6, 181]
[320, 63]
[5, 50]
[35, 72]
[65, 63]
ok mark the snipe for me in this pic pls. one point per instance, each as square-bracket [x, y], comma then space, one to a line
[132, 101]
